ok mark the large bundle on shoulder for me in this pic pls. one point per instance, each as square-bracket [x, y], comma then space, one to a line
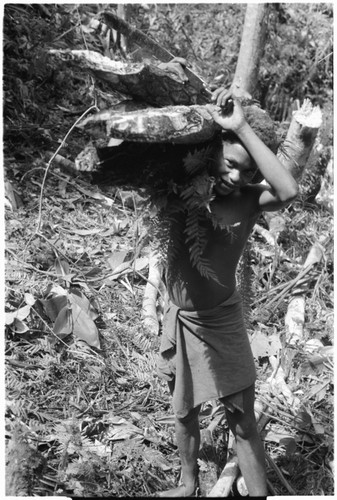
[159, 134]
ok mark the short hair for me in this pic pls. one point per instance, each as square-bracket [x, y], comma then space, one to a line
[262, 124]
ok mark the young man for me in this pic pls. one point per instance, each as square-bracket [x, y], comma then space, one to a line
[205, 352]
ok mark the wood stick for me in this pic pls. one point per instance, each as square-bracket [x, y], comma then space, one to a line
[149, 309]
[294, 319]
[223, 486]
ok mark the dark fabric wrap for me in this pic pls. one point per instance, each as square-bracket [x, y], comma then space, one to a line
[207, 353]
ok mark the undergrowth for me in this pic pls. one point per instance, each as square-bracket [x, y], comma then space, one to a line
[95, 420]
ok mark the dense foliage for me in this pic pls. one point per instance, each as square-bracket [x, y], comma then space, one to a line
[85, 414]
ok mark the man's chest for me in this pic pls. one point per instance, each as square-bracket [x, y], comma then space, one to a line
[236, 210]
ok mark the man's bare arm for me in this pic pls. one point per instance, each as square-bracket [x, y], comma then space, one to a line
[283, 186]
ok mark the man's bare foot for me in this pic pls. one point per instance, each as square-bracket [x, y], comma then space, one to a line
[181, 491]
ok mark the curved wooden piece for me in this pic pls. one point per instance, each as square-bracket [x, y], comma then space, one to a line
[176, 124]
[142, 81]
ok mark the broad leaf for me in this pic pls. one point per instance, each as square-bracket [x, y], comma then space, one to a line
[53, 306]
[264, 345]
[19, 314]
[116, 259]
[84, 327]
[64, 322]
[29, 298]
[77, 297]
[19, 326]
[61, 266]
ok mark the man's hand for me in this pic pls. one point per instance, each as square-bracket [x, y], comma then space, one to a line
[176, 67]
[229, 113]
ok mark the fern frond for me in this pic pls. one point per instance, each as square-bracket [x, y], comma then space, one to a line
[196, 161]
[245, 281]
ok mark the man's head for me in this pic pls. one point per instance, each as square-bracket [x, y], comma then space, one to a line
[234, 166]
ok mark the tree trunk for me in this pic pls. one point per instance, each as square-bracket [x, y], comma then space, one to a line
[251, 49]
[296, 148]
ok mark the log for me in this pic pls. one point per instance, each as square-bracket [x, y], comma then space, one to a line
[170, 124]
[296, 148]
[142, 81]
[153, 48]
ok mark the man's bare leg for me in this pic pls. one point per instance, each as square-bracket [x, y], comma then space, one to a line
[188, 441]
[250, 449]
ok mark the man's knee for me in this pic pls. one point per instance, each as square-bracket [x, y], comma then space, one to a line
[243, 426]
[193, 414]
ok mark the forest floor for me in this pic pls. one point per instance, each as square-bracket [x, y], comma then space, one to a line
[86, 414]
[95, 420]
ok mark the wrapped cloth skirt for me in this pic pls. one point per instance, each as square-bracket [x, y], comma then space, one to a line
[207, 354]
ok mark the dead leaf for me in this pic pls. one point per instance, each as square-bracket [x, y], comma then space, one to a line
[318, 391]
[264, 345]
[62, 185]
[116, 259]
[277, 224]
[290, 446]
[121, 429]
[20, 314]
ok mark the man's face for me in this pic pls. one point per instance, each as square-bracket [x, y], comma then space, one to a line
[236, 168]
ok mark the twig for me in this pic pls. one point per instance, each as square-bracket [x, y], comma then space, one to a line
[52, 158]
[30, 266]
[48, 327]
[279, 474]
[20, 364]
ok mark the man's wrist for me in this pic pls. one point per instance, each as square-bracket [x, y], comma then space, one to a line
[242, 129]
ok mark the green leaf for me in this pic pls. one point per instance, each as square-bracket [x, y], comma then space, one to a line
[84, 327]
[29, 298]
[61, 267]
[77, 297]
[19, 326]
[64, 322]
[19, 314]
[53, 306]
[116, 259]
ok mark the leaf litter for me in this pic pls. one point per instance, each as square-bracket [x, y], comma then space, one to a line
[95, 420]
[83, 398]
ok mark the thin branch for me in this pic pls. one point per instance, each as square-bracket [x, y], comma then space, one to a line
[39, 220]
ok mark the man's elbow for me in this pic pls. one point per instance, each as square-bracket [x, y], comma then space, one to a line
[290, 194]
